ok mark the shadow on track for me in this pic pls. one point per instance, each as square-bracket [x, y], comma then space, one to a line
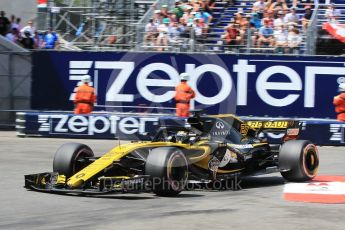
[257, 182]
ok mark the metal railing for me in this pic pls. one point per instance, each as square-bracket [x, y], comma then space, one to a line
[311, 37]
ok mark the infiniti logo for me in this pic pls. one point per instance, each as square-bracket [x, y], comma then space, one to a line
[219, 125]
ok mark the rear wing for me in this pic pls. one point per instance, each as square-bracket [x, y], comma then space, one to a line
[290, 128]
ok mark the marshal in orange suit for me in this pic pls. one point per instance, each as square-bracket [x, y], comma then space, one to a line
[184, 93]
[339, 103]
[85, 97]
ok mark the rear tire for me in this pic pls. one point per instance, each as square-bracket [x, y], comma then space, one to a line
[298, 160]
[66, 158]
[168, 168]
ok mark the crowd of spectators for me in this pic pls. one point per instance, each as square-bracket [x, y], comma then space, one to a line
[270, 24]
[26, 36]
[186, 20]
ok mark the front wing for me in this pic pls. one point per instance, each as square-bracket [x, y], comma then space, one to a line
[52, 182]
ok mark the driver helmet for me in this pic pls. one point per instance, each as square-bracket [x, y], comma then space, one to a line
[184, 76]
[86, 79]
[341, 87]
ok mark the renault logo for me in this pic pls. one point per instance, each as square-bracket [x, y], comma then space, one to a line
[219, 125]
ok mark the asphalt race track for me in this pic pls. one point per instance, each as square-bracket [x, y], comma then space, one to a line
[259, 205]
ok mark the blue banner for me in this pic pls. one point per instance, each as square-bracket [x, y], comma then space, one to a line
[245, 85]
[144, 127]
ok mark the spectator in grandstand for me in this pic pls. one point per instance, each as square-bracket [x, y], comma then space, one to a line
[173, 17]
[50, 40]
[291, 18]
[27, 41]
[240, 20]
[13, 35]
[4, 23]
[241, 23]
[231, 36]
[16, 24]
[269, 16]
[28, 28]
[207, 18]
[265, 35]
[208, 6]
[307, 2]
[332, 14]
[278, 5]
[260, 6]
[174, 33]
[85, 97]
[280, 39]
[162, 39]
[255, 21]
[279, 21]
[38, 40]
[150, 33]
[294, 40]
[12, 20]
[178, 9]
[164, 11]
[184, 93]
[199, 28]
[306, 17]
[157, 18]
[187, 17]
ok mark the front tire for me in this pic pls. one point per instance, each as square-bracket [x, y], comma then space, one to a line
[298, 160]
[168, 168]
[67, 158]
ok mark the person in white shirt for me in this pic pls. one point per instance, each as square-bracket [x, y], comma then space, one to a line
[162, 39]
[294, 40]
[279, 21]
[260, 7]
[28, 28]
[292, 17]
[150, 32]
[332, 14]
[280, 39]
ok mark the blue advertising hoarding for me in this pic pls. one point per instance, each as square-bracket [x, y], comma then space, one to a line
[144, 127]
[243, 84]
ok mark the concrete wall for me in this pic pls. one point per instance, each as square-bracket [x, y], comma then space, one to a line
[25, 9]
[15, 81]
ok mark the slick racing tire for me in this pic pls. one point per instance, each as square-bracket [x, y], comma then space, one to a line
[68, 158]
[298, 160]
[168, 168]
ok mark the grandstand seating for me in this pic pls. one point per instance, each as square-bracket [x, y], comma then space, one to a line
[224, 13]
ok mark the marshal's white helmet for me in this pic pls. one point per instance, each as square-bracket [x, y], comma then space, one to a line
[86, 79]
[341, 87]
[184, 76]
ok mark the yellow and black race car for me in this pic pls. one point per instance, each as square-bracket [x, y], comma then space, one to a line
[208, 149]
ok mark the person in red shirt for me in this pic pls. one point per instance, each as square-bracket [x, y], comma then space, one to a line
[85, 97]
[339, 103]
[184, 94]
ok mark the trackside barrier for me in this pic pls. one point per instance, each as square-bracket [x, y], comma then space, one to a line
[143, 126]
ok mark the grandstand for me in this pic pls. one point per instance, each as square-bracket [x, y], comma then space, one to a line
[120, 25]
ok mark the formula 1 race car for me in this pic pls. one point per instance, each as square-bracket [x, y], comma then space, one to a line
[208, 149]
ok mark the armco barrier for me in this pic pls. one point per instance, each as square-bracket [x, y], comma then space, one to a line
[243, 84]
[143, 127]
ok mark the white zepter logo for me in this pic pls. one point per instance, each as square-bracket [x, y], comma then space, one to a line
[337, 131]
[43, 120]
[77, 69]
